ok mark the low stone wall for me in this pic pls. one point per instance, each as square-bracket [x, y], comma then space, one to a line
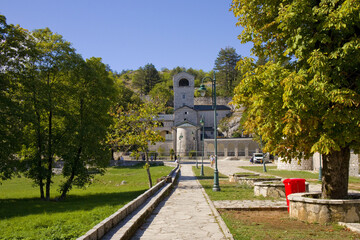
[272, 189]
[305, 164]
[308, 207]
[252, 181]
[269, 189]
[236, 177]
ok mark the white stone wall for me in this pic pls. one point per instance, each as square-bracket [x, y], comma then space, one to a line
[167, 145]
[209, 118]
[188, 141]
[241, 146]
[305, 164]
[353, 165]
[185, 114]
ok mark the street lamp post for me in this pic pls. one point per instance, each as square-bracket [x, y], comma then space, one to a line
[180, 137]
[202, 90]
[203, 143]
[197, 166]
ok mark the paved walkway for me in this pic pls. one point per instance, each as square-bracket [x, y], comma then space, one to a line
[189, 214]
[185, 214]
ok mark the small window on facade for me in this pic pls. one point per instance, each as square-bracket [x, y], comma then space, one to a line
[184, 96]
[186, 113]
[184, 119]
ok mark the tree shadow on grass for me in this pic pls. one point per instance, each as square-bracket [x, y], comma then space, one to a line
[140, 165]
[205, 177]
[28, 206]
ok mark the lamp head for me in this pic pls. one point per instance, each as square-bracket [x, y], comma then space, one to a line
[202, 90]
[202, 122]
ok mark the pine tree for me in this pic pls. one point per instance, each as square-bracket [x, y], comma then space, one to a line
[227, 74]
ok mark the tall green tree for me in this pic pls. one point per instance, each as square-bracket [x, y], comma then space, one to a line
[135, 128]
[146, 78]
[307, 98]
[227, 75]
[83, 147]
[17, 48]
[45, 93]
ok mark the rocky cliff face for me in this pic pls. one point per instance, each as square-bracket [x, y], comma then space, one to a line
[228, 126]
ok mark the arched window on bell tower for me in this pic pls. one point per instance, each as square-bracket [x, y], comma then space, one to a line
[183, 83]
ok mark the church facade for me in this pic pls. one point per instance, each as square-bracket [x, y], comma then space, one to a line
[183, 130]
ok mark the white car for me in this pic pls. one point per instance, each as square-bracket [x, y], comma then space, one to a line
[258, 157]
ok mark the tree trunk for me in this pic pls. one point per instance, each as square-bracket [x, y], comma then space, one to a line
[40, 175]
[74, 169]
[75, 164]
[148, 169]
[335, 172]
[50, 159]
[67, 186]
[50, 154]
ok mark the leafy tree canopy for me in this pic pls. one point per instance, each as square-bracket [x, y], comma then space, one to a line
[135, 128]
[17, 48]
[306, 98]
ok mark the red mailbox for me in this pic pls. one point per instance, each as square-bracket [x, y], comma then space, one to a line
[293, 185]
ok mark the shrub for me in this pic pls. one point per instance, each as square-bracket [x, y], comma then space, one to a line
[192, 154]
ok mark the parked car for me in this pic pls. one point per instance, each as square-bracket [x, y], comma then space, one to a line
[258, 157]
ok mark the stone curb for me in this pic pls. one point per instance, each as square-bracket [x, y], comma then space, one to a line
[275, 208]
[296, 197]
[99, 230]
[355, 227]
[217, 216]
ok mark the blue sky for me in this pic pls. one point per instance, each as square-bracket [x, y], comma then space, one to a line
[128, 34]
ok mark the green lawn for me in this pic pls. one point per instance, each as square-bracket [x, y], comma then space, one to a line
[309, 176]
[229, 191]
[24, 216]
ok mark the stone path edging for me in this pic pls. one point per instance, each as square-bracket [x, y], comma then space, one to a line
[355, 227]
[217, 216]
[159, 191]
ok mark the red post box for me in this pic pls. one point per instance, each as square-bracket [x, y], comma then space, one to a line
[293, 185]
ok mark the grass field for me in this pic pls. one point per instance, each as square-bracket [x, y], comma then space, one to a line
[24, 216]
[229, 190]
[272, 170]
